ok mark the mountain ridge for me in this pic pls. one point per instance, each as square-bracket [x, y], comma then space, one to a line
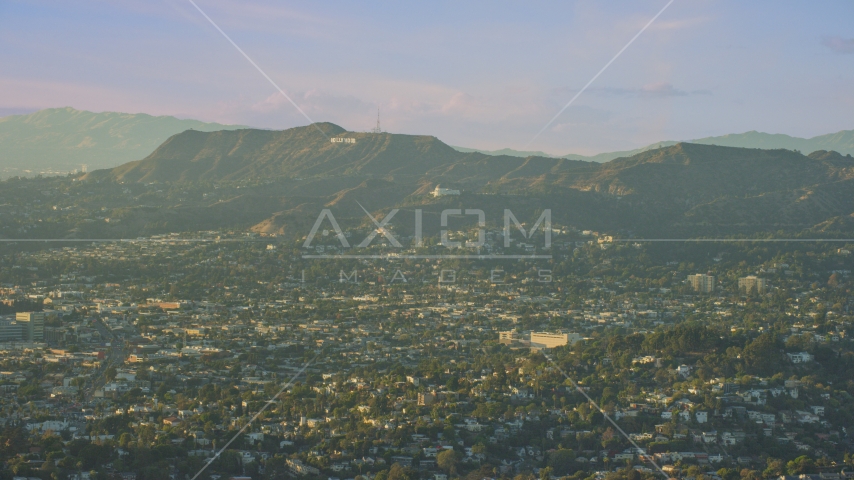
[248, 154]
[311, 151]
[841, 141]
[65, 138]
[278, 181]
[686, 185]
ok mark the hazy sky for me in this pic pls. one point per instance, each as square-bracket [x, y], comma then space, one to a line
[479, 74]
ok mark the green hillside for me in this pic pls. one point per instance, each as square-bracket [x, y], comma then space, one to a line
[286, 177]
[251, 154]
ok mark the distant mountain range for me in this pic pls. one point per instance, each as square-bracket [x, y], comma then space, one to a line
[842, 142]
[65, 138]
[288, 176]
[507, 151]
[278, 181]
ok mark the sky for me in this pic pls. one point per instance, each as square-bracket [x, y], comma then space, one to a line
[485, 75]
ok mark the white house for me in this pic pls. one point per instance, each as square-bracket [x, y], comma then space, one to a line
[806, 417]
[440, 192]
[800, 357]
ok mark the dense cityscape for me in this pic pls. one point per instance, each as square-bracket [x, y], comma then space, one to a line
[232, 354]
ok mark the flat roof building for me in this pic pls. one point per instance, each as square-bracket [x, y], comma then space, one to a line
[540, 340]
[702, 283]
[751, 284]
[32, 324]
[11, 331]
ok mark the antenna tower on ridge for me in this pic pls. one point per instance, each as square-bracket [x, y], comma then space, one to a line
[377, 129]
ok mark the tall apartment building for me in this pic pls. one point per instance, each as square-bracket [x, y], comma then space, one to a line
[751, 283]
[702, 283]
[32, 324]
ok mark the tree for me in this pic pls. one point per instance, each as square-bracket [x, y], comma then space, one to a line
[775, 468]
[607, 435]
[397, 472]
[125, 439]
[447, 461]
[546, 473]
[162, 390]
[799, 342]
[449, 433]
[728, 473]
[633, 474]
[762, 355]
[31, 390]
[747, 474]
[12, 441]
[145, 435]
[230, 462]
[562, 461]
[800, 465]
[93, 456]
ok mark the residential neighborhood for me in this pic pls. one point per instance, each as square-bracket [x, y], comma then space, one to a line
[157, 359]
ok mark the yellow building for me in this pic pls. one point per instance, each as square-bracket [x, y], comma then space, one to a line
[702, 283]
[540, 340]
[508, 337]
[751, 283]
